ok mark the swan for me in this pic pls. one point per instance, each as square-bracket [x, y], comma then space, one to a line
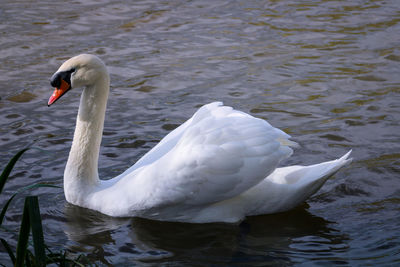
[218, 166]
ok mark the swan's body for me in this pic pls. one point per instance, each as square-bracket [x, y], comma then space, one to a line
[219, 166]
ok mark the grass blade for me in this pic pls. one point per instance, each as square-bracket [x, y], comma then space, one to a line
[28, 259]
[37, 231]
[23, 237]
[8, 249]
[3, 211]
[32, 186]
[7, 170]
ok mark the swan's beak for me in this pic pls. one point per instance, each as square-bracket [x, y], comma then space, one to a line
[59, 92]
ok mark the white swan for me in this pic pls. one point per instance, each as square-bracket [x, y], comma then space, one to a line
[219, 166]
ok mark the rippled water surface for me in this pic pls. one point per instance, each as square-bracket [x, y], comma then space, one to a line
[327, 72]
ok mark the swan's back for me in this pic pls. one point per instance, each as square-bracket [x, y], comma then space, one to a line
[216, 155]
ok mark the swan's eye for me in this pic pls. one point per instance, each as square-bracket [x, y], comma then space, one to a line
[72, 70]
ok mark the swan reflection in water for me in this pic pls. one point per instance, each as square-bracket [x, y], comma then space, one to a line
[265, 238]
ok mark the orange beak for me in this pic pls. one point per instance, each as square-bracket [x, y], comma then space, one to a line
[58, 92]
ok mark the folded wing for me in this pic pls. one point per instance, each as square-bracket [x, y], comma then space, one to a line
[218, 154]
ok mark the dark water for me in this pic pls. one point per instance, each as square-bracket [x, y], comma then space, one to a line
[327, 72]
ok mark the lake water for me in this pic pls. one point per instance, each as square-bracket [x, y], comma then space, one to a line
[325, 71]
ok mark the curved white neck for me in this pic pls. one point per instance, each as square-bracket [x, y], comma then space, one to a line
[81, 172]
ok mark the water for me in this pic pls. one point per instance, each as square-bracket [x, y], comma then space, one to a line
[324, 71]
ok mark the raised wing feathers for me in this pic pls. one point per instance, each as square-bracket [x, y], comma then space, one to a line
[218, 155]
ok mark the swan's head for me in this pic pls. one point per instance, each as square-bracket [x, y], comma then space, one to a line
[79, 71]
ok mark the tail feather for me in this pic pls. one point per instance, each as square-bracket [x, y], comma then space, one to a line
[288, 187]
[306, 174]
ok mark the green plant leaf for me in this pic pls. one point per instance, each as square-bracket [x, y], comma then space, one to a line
[32, 186]
[31, 220]
[3, 211]
[61, 259]
[37, 231]
[22, 245]
[8, 249]
[7, 170]
[28, 259]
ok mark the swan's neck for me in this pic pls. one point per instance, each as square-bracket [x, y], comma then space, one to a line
[81, 173]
